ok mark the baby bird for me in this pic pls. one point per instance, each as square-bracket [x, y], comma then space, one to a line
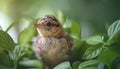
[53, 45]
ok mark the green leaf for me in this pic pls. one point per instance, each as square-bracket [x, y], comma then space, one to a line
[6, 42]
[114, 31]
[26, 35]
[95, 40]
[32, 63]
[5, 60]
[79, 48]
[116, 63]
[64, 65]
[90, 64]
[61, 16]
[75, 65]
[5, 67]
[115, 48]
[67, 23]
[107, 56]
[17, 53]
[13, 24]
[92, 52]
[75, 30]
[102, 66]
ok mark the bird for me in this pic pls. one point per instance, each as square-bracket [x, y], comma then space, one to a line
[52, 45]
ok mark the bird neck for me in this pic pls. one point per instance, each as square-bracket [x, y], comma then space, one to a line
[58, 34]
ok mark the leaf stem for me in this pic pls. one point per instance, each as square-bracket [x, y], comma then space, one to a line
[15, 64]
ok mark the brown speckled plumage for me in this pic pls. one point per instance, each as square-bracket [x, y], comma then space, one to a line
[53, 46]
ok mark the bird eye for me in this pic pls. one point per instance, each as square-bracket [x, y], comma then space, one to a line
[49, 24]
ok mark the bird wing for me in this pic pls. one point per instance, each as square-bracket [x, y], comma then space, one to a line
[68, 40]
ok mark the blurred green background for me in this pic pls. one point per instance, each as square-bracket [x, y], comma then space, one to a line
[91, 14]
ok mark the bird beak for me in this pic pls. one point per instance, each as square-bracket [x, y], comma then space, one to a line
[37, 25]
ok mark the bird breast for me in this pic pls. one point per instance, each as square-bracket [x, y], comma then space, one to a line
[52, 50]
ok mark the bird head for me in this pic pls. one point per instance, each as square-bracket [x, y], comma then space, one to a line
[49, 25]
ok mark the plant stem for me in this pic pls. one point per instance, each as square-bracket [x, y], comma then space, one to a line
[15, 64]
